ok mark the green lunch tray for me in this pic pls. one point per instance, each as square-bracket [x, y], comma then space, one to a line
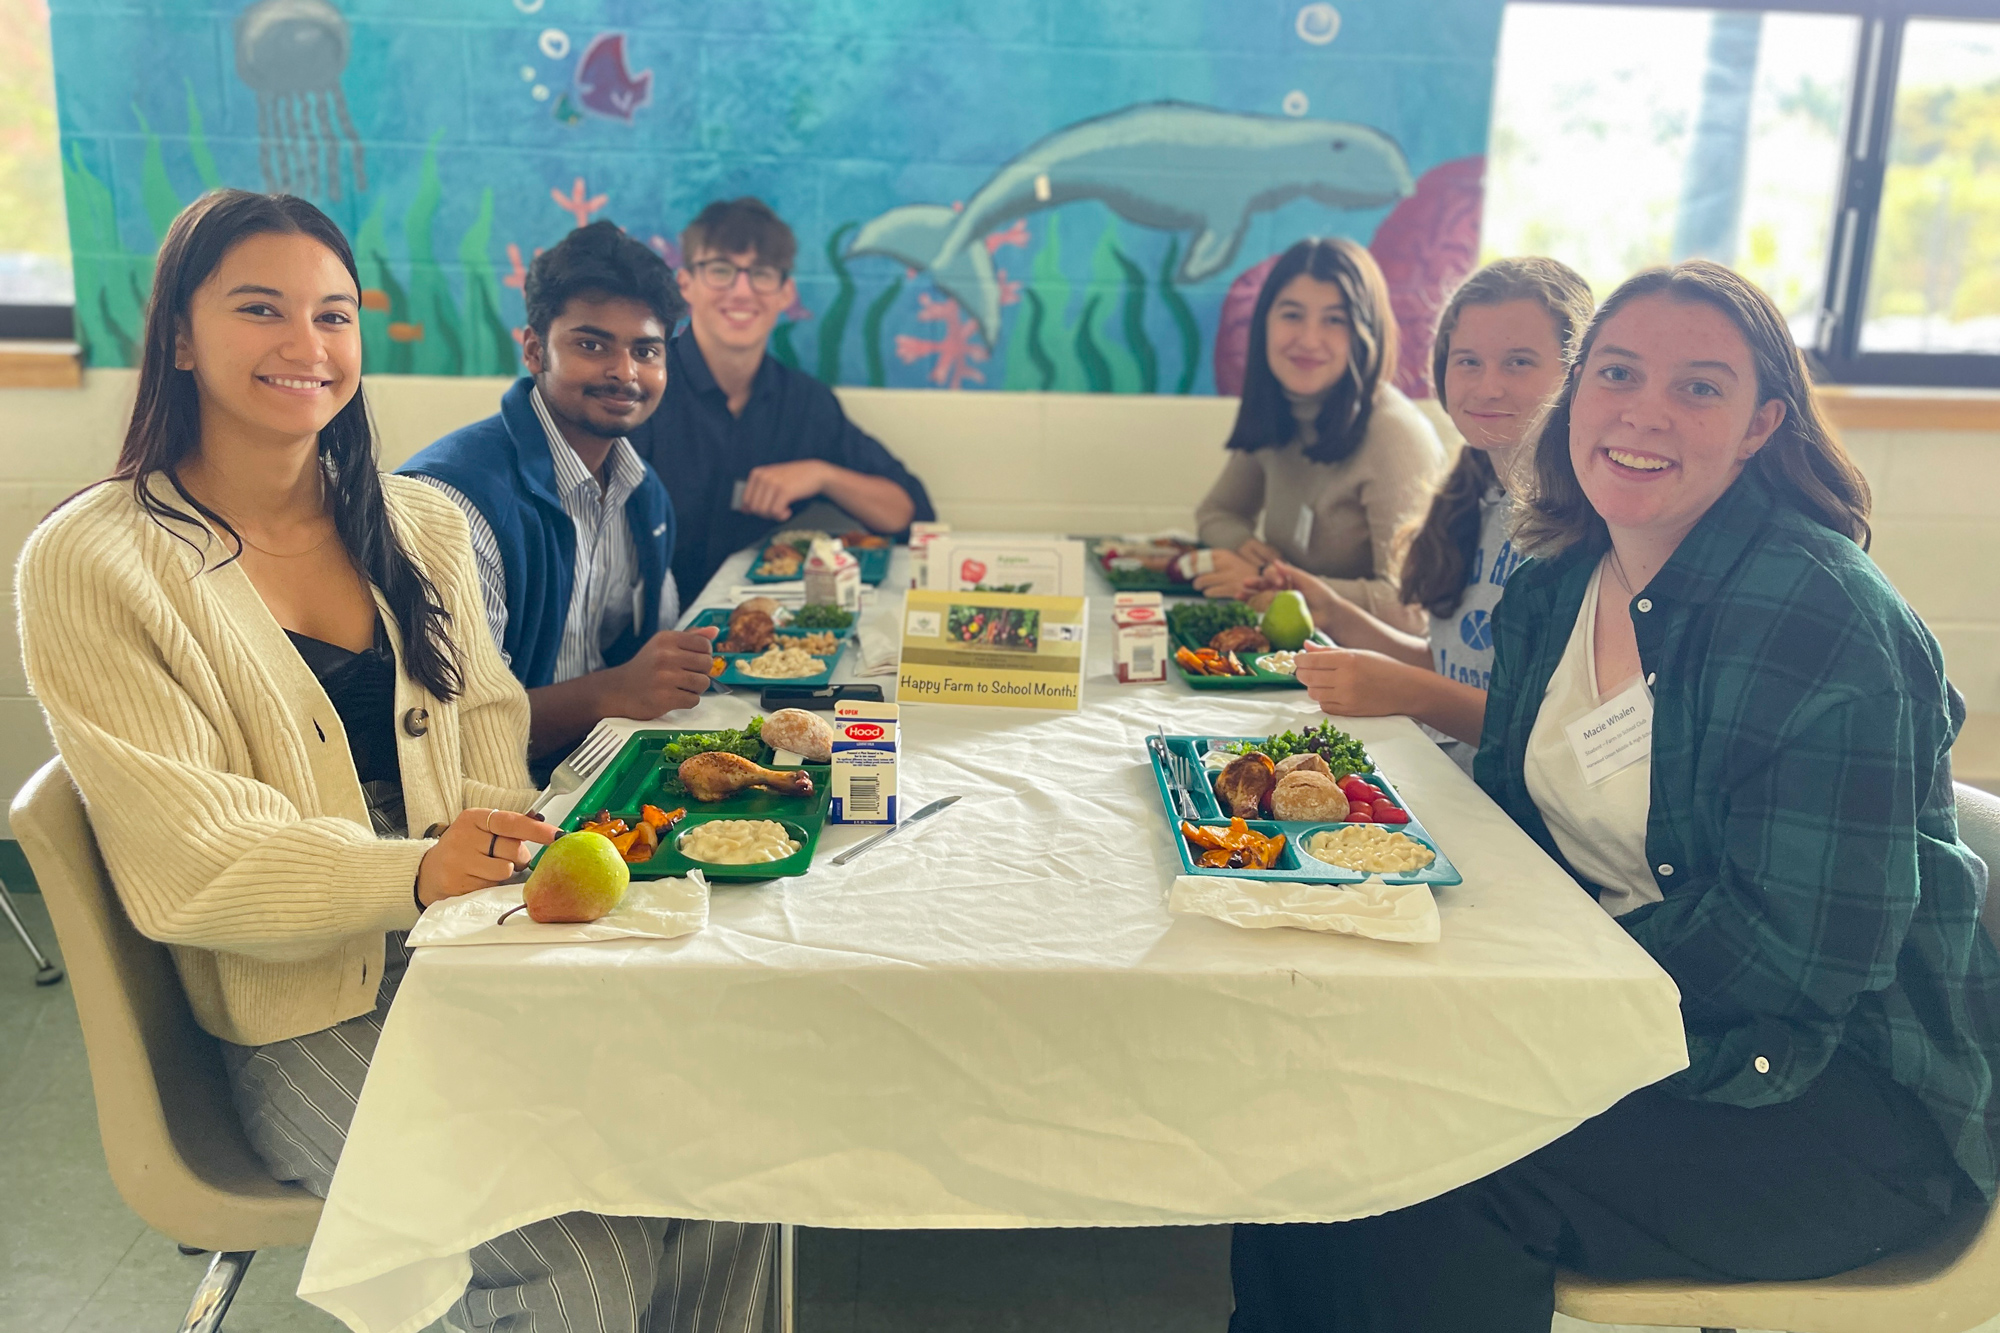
[1295, 865]
[732, 673]
[1135, 580]
[874, 562]
[637, 777]
[1256, 680]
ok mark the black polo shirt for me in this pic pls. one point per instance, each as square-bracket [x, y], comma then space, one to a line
[701, 451]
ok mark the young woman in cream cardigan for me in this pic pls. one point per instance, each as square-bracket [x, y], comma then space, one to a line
[265, 663]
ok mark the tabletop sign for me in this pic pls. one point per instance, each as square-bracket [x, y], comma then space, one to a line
[1006, 650]
[1005, 562]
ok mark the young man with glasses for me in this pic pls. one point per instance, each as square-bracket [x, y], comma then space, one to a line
[742, 441]
[572, 532]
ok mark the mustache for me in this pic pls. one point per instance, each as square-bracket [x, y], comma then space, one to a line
[616, 395]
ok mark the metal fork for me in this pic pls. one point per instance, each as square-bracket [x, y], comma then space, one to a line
[1177, 774]
[584, 763]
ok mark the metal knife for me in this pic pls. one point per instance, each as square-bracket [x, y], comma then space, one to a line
[887, 833]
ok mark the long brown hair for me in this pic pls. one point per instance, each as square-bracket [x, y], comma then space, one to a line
[1444, 543]
[1264, 418]
[166, 422]
[1803, 461]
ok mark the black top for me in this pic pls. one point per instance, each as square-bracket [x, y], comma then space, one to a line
[362, 687]
[700, 451]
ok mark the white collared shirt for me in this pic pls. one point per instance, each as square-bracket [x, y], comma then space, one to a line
[605, 584]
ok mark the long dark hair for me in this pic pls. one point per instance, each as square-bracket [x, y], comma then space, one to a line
[1803, 461]
[166, 423]
[1443, 545]
[1264, 419]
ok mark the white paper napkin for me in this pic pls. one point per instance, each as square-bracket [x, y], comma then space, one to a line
[1399, 913]
[876, 647]
[661, 909]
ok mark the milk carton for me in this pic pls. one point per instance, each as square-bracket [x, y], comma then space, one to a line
[1139, 636]
[863, 780]
[833, 577]
[920, 538]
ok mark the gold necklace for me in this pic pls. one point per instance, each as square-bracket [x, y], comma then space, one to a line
[282, 555]
[244, 537]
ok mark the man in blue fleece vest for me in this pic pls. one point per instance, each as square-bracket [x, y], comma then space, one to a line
[573, 532]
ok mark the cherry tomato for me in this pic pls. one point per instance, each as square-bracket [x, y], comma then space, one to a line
[1392, 816]
[1352, 786]
[1360, 814]
[1383, 808]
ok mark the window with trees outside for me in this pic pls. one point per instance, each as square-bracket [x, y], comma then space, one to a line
[35, 290]
[1845, 157]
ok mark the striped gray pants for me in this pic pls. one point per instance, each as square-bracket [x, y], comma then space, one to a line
[578, 1273]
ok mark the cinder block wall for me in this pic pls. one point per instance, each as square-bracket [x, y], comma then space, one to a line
[1070, 463]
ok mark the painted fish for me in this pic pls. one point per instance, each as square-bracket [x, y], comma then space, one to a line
[603, 84]
[1172, 166]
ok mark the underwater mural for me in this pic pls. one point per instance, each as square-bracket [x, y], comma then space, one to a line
[1013, 194]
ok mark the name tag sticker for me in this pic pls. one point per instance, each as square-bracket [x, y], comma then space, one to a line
[1614, 735]
[736, 496]
[1302, 531]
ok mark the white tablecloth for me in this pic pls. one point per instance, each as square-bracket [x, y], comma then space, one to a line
[992, 1021]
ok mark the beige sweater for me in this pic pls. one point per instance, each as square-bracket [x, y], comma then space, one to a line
[215, 769]
[1359, 505]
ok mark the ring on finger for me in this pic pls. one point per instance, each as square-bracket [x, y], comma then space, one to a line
[493, 844]
[486, 821]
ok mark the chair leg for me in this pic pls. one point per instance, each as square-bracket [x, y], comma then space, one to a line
[217, 1290]
[46, 972]
[781, 1311]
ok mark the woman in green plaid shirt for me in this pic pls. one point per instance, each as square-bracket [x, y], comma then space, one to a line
[1742, 749]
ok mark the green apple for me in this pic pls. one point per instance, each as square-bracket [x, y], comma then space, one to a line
[1287, 623]
[580, 877]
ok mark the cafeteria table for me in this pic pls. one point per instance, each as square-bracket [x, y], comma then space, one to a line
[992, 1020]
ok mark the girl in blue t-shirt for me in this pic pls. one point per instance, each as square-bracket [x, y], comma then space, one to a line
[1499, 355]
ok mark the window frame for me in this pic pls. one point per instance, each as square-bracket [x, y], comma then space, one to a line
[1836, 352]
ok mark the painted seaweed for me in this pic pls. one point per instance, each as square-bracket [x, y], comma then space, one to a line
[781, 344]
[489, 343]
[1042, 351]
[871, 332]
[1136, 340]
[1183, 318]
[833, 325]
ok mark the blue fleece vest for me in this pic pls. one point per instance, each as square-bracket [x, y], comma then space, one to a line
[503, 465]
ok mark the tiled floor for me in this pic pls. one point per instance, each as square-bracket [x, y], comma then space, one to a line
[74, 1258]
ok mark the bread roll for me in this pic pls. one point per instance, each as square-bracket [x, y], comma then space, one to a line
[1308, 763]
[767, 605]
[1304, 796]
[805, 734]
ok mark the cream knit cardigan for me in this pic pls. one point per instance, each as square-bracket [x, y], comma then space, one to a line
[216, 771]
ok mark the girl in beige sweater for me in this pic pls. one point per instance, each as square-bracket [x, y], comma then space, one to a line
[263, 663]
[1335, 460]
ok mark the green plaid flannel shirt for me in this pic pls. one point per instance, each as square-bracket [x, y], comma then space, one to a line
[1802, 829]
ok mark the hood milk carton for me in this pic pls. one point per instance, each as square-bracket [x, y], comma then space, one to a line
[833, 577]
[1139, 636]
[863, 781]
[920, 538]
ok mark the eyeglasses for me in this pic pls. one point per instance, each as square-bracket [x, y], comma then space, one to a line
[721, 275]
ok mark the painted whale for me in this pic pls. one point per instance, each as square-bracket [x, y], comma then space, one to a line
[1171, 166]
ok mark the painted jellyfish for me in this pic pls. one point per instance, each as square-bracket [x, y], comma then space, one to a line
[291, 54]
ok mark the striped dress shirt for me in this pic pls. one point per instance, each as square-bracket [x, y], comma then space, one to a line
[606, 587]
